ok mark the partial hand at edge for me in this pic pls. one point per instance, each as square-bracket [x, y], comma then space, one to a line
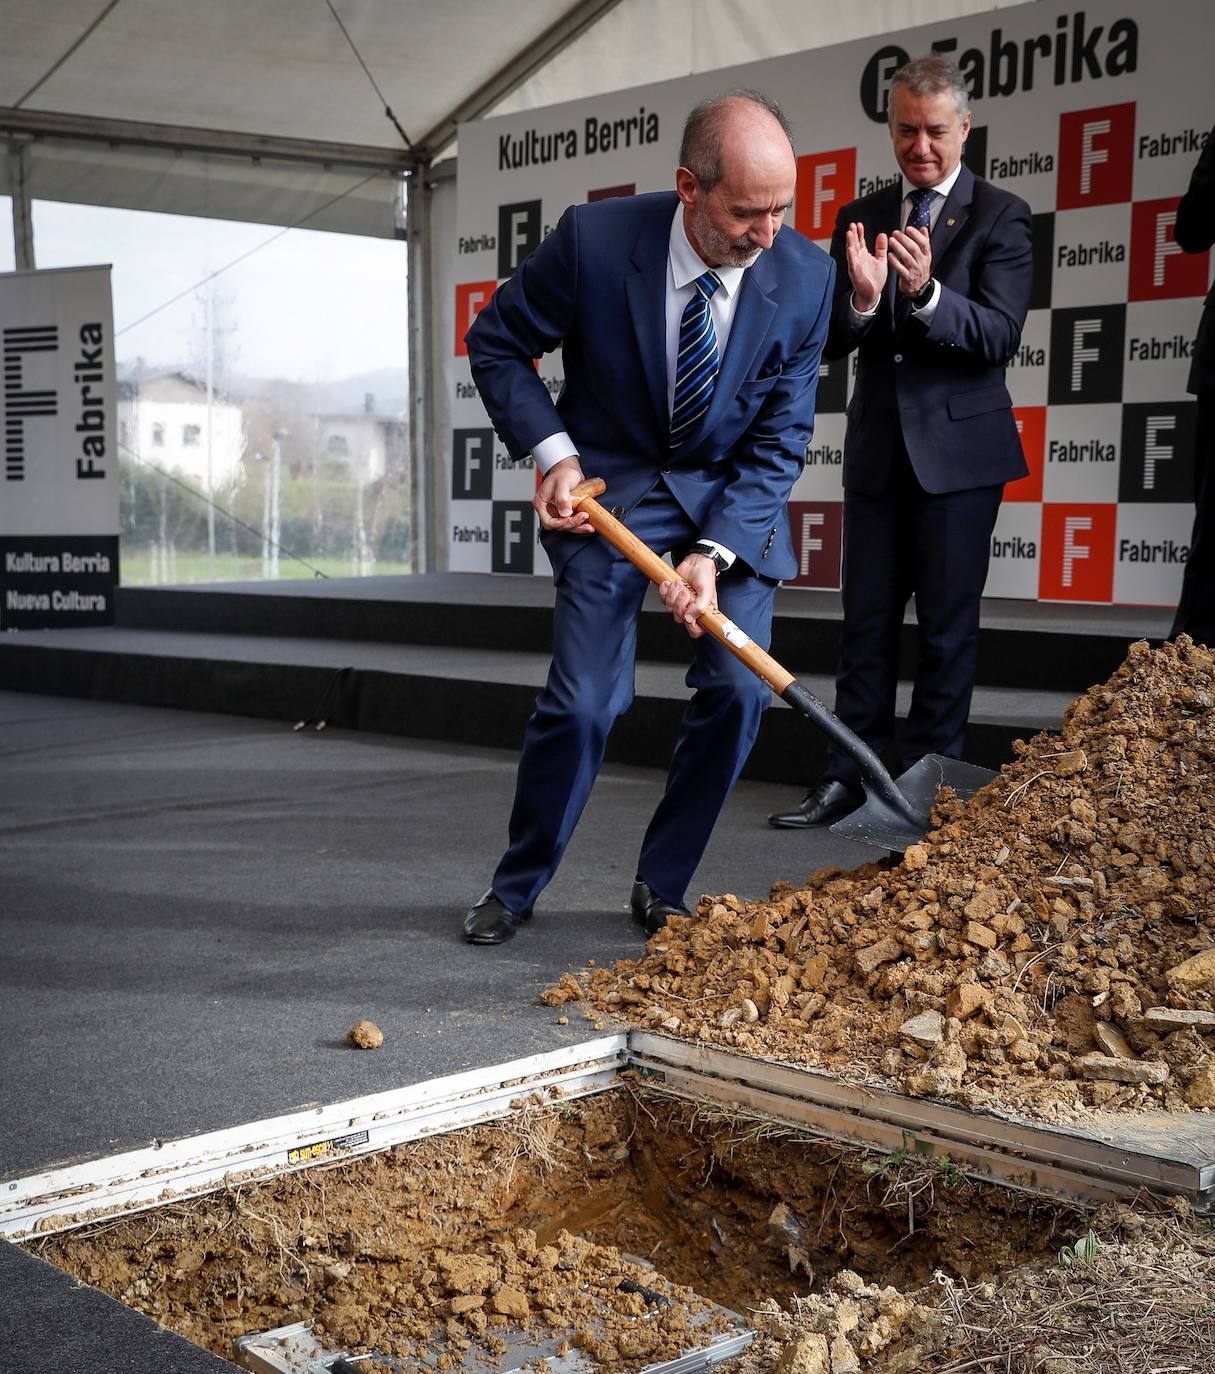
[559, 481]
[693, 589]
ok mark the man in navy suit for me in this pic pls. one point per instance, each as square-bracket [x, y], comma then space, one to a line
[692, 326]
[933, 289]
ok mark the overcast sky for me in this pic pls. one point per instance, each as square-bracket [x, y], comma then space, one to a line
[310, 306]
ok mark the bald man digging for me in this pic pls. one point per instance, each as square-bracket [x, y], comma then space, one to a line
[692, 323]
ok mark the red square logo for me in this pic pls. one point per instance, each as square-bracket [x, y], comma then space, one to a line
[825, 183]
[471, 298]
[1077, 553]
[1096, 157]
[1031, 426]
[817, 528]
[1159, 269]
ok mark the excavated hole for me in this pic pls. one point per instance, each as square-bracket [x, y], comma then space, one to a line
[738, 1210]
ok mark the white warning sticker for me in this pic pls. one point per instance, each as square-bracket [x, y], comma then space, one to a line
[734, 635]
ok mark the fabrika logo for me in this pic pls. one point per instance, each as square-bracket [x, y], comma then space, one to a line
[1159, 269]
[817, 528]
[519, 232]
[1158, 452]
[1031, 430]
[472, 464]
[1096, 157]
[825, 183]
[513, 537]
[471, 298]
[1077, 552]
[1086, 345]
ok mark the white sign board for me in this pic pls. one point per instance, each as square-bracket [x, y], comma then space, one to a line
[59, 473]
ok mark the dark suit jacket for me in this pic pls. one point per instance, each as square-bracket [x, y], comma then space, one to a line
[597, 285]
[941, 385]
[1195, 232]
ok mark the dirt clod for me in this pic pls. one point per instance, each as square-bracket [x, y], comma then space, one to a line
[364, 1035]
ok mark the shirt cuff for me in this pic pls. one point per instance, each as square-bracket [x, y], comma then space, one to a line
[864, 314]
[552, 450]
[721, 549]
[925, 313]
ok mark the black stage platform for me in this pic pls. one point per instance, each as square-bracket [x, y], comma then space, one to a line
[196, 906]
[459, 658]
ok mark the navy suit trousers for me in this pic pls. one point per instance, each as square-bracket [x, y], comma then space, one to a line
[591, 682]
[903, 543]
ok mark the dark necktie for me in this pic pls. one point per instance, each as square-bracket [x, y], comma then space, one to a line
[921, 208]
[697, 364]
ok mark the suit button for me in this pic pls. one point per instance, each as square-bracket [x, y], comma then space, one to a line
[666, 472]
[898, 357]
[617, 511]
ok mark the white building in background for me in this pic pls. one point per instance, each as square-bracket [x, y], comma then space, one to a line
[163, 419]
[371, 445]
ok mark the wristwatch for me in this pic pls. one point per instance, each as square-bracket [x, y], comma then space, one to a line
[708, 551]
[924, 294]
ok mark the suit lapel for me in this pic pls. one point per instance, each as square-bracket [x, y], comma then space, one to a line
[954, 214]
[646, 293]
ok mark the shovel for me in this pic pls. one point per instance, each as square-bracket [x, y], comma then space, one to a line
[895, 814]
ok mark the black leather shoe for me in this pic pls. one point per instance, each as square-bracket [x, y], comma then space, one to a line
[490, 923]
[820, 806]
[649, 910]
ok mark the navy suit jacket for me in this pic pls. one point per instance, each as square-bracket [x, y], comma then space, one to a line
[1195, 232]
[942, 385]
[597, 286]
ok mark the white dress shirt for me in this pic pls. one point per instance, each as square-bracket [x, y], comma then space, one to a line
[942, 188]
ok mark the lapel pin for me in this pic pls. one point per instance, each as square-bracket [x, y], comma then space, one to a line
[949, 223]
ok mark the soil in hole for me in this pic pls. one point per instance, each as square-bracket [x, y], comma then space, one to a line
[445, 1241]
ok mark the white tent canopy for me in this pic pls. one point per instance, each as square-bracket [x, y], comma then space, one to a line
[162, 104]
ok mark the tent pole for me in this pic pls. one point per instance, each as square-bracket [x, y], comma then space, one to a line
[23, 219]
[423, 487]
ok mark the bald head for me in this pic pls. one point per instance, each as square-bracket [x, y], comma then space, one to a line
[713, 122]
[736, 177]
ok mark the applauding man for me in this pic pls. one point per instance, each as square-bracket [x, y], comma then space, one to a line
[932, 290]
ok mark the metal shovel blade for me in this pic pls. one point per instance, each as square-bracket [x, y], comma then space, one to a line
[879, 824]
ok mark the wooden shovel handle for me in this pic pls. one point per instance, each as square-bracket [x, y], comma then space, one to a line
[641, 556]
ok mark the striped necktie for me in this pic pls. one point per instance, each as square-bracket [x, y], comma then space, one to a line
[696, 367]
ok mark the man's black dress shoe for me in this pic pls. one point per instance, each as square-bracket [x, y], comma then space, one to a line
[820, 806]
[649, 910]
[490, 923]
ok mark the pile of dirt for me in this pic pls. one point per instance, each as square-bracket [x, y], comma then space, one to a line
[1132, 1295]
[1049, 946]
[584, 1296]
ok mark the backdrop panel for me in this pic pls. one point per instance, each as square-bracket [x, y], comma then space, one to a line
[1094, 114]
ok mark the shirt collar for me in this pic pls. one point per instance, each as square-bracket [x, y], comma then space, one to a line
[942, 188]
[687, 264]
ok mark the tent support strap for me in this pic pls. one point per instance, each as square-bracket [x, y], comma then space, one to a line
[423, 486]
[23, 219]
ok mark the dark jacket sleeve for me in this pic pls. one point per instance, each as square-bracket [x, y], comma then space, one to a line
[526, 317]
[1195, 228]
[986, 323]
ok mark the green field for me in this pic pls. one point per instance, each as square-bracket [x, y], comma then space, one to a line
[135, 568]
